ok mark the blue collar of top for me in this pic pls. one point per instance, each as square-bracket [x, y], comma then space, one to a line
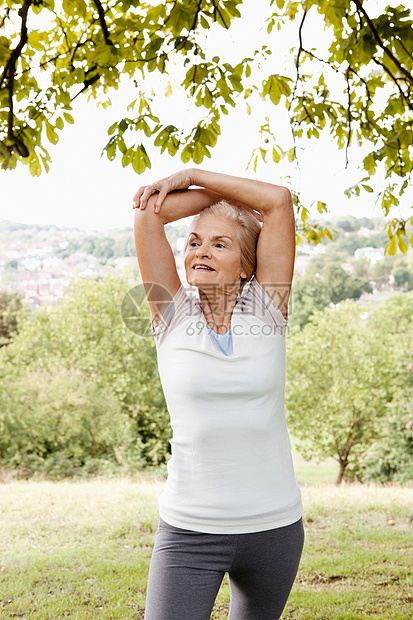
[222, 341]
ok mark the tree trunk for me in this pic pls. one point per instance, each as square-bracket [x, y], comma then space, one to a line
[343, 465]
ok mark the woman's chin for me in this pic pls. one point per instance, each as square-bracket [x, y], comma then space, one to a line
[200, 278]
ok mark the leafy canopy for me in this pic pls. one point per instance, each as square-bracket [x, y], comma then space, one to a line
[358, 90]
[349, 379]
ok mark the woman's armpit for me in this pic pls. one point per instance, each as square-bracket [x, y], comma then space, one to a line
[260, 304]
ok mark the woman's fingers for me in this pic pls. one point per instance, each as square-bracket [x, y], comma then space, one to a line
[137, 197]
[140, 199]
[179, 180]
[163, 191]
[149, 190]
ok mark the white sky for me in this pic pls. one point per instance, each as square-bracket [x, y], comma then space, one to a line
[86, 191]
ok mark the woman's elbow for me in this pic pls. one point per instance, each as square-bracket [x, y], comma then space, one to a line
[281, 198]
[284, 197]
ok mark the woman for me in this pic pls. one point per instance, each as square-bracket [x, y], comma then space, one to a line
[231, 502]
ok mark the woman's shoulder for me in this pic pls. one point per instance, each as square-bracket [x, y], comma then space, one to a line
[181, 306]
[257, 302]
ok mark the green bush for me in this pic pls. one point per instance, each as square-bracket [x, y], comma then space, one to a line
[59, 422]
[81, 392]
[391, 458]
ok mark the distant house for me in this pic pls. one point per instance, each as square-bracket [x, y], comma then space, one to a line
[371, 254]
[312, 250]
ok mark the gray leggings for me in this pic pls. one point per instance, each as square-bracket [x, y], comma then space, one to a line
[187, 569]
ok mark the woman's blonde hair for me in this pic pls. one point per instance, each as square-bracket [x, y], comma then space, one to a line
[248, 228]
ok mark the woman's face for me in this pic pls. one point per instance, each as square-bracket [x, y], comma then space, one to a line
[213, 255]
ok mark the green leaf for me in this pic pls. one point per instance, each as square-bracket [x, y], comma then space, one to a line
[51, 134]
[186, 154]
[69, 118]
[276, 155]
[35, 168]
[207, 100]
[110, 149]
[198, 154]
[312, 237]
[391, 247]
[127, 158]
[367, 188]
[123, 125]
[402, 244]
[112, 129]
[204, 22]
[138, 162]
[173, 146]
[146, 129]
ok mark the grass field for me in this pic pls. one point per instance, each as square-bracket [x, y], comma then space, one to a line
[313, 472]
[82, 549]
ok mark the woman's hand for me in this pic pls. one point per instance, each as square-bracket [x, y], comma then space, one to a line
[179, 180]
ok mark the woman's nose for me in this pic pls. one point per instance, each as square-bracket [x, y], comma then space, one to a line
[202, 250]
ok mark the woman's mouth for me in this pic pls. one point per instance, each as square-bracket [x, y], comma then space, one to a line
[203, 268]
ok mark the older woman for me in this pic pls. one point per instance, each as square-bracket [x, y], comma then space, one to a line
[231, 503]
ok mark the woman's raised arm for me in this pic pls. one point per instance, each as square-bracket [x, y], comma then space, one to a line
[155, 257]
[276, 243]
[254, 194]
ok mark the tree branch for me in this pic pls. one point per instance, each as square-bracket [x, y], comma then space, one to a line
[6, 14]
[348, 113]
[307, 112]
[400, 157]
[52, 59]
[65, 36]
[9, 73]
[216, 10]
[381, 44]
[169, 16]
[404, 47]
[198, 8]
[300, 39]
[103, 22]
[297, 79]
[369, 97]
[11, 63]
[325, 62]
[88, 81]
[402, 93]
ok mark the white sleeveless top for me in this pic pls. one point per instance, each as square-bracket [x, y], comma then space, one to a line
[231, 469]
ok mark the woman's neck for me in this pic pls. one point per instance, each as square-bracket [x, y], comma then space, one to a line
[217, 305]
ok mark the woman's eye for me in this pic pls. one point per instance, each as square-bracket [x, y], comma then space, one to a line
[220, 245]
[193, 243]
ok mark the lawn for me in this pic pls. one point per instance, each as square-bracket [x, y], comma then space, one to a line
[82, 550]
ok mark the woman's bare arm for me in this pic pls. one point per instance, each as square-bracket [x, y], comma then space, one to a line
[155, 257]
[276, 243]
[257, 195]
